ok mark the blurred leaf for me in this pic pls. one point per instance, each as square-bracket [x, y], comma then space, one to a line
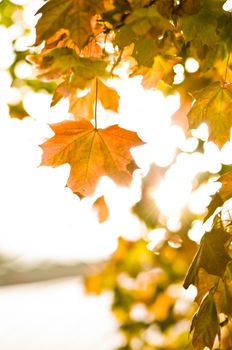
[205, 324]
[101, 208]
[84, 106]
[205, 282]
[211, 256]
[73, 15]
[213, 106]
[145, 22]
[161, 306]
[64, 62]
[162, 69]
[224, 193]
[144, 51]
[189, 7]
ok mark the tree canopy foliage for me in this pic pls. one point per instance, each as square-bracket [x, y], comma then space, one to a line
[81, 44]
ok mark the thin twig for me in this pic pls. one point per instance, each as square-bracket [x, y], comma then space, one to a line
[117, 61]
[95, 111]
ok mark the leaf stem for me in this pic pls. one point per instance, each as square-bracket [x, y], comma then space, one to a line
[95, 110]
[227, 64]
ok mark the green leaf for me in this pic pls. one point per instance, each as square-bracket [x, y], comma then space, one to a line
[145, 51]
[192, 28]
[73, 15]
[145, 22]
[213, 106]
[204, 24]
[212, 256]
[205, 324]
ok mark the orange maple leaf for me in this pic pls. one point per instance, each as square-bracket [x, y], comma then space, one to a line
[92, 153]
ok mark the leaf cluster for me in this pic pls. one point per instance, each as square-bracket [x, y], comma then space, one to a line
[84, 43]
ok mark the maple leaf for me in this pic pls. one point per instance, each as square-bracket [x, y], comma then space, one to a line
[61, 39]
[73, 15]
[64, 62]
[223, 294]
[213, 106]
[92, 153]
[148, 20]
[205, 324]
[206, 16]
[162, 69]
[146, 23]
[84, 106]
[205, 282]
[212, 256]
[144, 51]
[189, 7]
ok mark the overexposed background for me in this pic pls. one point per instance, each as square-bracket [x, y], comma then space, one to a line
[41, 219]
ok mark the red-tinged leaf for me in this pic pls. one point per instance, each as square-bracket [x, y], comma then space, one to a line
[213, 106]
[73, 15]
[211, 256]
[101, 208]
[92, 153]
[61, 39]
[205, 324]
[84, 106]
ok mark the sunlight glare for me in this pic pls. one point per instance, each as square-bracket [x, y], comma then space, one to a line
[173, 224]
[212, 157]
[191, 65]
[7, 55]
[201, 132]
[226, 153]
[196, 231]
[156, 238]
[227, 6]
[23, 70]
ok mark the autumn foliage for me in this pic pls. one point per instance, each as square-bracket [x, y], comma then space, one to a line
[81, 44]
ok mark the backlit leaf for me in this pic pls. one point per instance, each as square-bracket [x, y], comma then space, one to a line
[205, 282]
[224, 193]
[144, 22]
[223, 293]
[203, 23]
[205, 324]
[213, 106]
[73, 15]
[64, 62]
[92, 153]
[211, 256]
[144, 51]
[162, 69]
[84, 106]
